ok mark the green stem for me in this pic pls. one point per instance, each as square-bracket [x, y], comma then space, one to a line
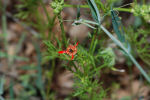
[40, 83]
[4, 25]
[139, 67]
[93, 39]
[50, 27]
[101, 5]
[45, 10]
[144, 2]
[50, 21]
[135, 1]
[91, 94]
[50, 76]
[86, 6]
[75, 67]
[75, 6]
[62, 30]
[4, 30]
[124, 9]
[130, 56]
[40, 23]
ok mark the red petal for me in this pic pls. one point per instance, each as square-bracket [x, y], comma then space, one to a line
[62, 52]
[72, 57]
[77, 44]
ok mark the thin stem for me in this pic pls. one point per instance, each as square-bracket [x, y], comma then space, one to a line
[74, 65]
[139, 67]
[123, 9]
[75, 6]
[86, 6]
[130, 56]
[91, 94]
[91, 45]
[45, 10]
[144, 2]
[135, 1]
[50, 27]
[4, 30]
[4, 25]
[62, 30]
[50, 76]
[50, 21]
[102, 6]
[40, 23]
[39, 71]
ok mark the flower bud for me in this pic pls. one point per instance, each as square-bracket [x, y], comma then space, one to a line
[57, 6]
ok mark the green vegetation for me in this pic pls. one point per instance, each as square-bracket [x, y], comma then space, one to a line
[90, 60]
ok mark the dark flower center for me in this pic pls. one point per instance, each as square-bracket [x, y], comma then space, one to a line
[70, 50]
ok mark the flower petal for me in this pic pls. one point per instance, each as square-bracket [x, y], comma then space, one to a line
[62, 52]
[72, 57]
[77, 44]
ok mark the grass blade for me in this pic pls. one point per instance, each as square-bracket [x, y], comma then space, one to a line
[78, 12]
[1, 85]
[94, 10]
[39, 81]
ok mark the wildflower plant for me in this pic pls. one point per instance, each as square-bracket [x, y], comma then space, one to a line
[71, 50]
[86, 63]
[122, 43]
[141, 10]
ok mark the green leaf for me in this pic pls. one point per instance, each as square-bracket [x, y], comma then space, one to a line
[117, 26]
[78, 12]
[94, 10]
[88, 25]
[49, 45]
[85, 22]
[11, 90]
[39, 82]
[1, 85]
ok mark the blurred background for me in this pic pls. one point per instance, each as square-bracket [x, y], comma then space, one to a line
[27, 75]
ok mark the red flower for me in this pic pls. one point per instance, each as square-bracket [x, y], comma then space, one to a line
[71, 50]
